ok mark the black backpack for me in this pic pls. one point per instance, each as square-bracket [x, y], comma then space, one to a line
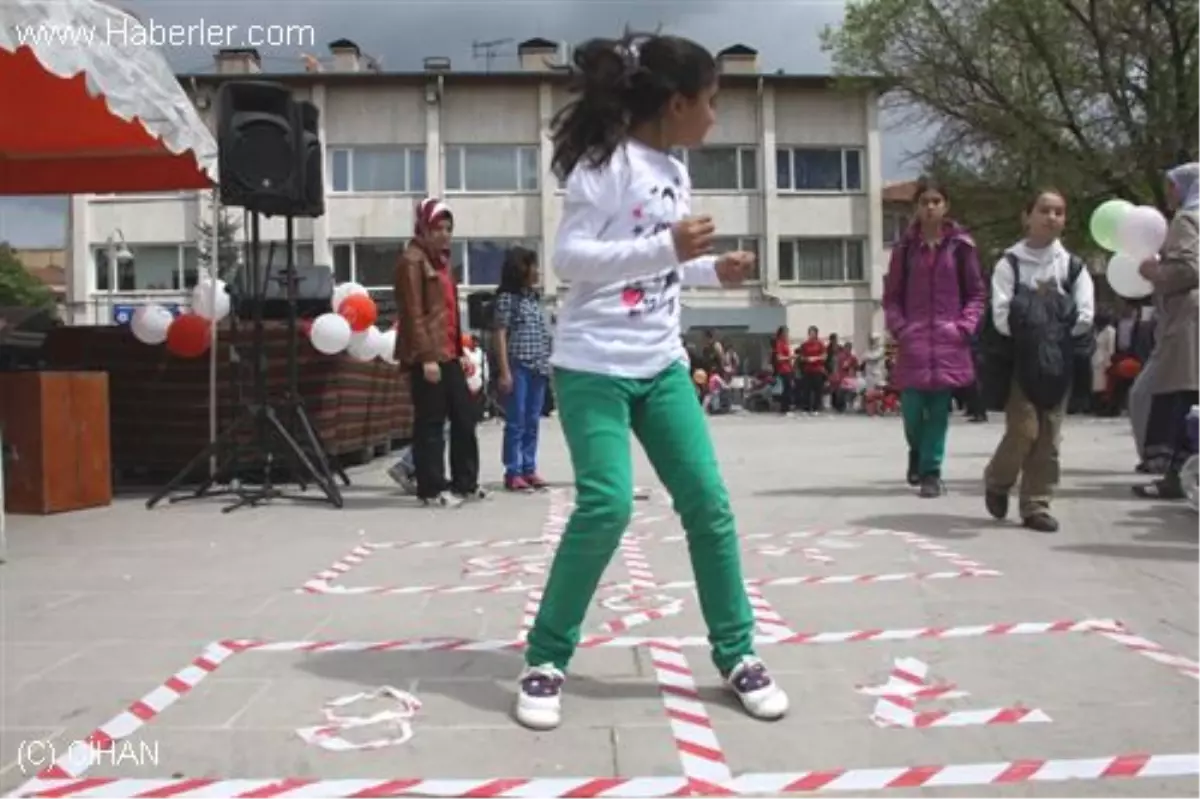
[1044, 357]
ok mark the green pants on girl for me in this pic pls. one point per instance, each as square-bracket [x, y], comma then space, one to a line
[597, 414]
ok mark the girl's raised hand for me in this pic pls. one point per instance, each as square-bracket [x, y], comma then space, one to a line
[733, 268]
[693, 237]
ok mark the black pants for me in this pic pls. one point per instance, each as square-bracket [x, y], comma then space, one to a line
[809, 391]
[788, 385]
[434, 404]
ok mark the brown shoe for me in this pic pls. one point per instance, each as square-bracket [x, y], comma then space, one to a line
[1041, 521]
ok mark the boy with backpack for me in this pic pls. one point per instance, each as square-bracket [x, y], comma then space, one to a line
[1041, 311]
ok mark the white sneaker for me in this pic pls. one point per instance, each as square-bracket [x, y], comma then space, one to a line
[475, 495]
[760, 695]
[442, 500]
[539, 697]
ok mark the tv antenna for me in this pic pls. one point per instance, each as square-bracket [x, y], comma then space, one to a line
[488, 51]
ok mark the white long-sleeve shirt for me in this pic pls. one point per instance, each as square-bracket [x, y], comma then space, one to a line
[1039, 266]
[614, 247]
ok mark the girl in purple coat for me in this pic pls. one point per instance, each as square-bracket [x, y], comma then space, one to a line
[933, 300]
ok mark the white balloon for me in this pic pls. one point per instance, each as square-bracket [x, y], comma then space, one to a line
[387, 346]
[1122, 274]
[150, 323]
[344, 290]
[364, 346]
[202, 300]
[1141, 232]
[330, 333]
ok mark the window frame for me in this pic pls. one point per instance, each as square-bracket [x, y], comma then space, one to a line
[459, 153]
[846, 242]
[410, 151]
[791, 149]
[461, 266]
[740, 151]
[99, 250]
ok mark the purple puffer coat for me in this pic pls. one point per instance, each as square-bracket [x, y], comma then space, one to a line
[931, 319]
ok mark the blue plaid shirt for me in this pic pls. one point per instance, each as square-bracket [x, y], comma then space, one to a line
[528, 337]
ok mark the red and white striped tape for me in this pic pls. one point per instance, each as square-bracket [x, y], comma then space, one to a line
[332, 589]
[700, 752]
[908, 683]
[960, 775]
[1121, 635]
[766, 619]
[142, 711]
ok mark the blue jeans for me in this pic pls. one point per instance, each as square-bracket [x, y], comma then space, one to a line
[522, 417]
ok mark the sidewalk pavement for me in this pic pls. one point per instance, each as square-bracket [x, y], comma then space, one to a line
[927, 649]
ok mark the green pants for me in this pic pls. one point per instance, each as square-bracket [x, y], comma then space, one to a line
[926, 423]
[598, 413]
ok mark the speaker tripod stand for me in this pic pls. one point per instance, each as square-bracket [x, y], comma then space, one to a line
[310, 463]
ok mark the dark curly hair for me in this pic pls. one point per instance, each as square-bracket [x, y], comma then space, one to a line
[514, 274]
[622, 83]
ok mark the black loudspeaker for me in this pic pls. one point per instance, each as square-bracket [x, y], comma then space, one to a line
[259, 144]
[480, 310]
[313, 199]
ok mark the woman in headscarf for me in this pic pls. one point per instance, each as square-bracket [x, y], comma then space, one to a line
[1175, 360]
[430, 349]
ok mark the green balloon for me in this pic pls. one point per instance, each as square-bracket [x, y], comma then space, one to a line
[1105, 220]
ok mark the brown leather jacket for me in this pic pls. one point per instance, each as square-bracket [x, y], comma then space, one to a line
[421, 306]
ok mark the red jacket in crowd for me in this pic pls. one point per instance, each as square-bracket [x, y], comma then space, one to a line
[812, 357]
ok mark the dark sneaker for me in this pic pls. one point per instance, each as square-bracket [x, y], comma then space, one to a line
[1041, 521]
[539, 697]
[931, 486]
[759, 694]
[914, 469]
[996, 503]
[516, 483]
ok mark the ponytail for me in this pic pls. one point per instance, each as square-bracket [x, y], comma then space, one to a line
[622, 83]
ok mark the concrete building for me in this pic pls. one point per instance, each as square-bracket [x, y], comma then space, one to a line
[792, 171]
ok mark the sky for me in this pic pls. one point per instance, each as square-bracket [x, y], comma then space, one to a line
[400, 33]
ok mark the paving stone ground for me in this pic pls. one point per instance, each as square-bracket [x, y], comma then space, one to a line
[849, 567]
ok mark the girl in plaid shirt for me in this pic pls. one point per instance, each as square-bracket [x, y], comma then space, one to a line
[523, 355]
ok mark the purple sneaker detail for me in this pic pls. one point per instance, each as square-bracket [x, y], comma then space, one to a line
[541, 685]
[750, 677]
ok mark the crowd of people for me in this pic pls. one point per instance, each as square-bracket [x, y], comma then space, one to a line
[628, 241]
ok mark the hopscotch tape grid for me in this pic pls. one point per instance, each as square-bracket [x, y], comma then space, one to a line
[64, 777]
[326, 582]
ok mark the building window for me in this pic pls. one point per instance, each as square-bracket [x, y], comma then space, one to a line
[382, 169]
[725, 244]
[830, 169]
[155, 267]
[492, 168]
[721, 168]
[822, 260]
[478, 262]
[371, 264]
[894, 226]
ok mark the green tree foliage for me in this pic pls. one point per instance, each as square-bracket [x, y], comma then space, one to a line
[19, 287]
[1095, 97]
[228, 251]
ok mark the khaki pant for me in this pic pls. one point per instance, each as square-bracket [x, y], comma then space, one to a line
[1029, 449]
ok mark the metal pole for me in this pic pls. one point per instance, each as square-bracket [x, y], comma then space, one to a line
[112, 274]
[214, 267]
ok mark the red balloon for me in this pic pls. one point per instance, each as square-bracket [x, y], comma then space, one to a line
[360, 311]
[189, 336]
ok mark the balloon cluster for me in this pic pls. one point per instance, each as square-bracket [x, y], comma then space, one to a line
[350, 327]
[188, 335]
[1132, 233]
